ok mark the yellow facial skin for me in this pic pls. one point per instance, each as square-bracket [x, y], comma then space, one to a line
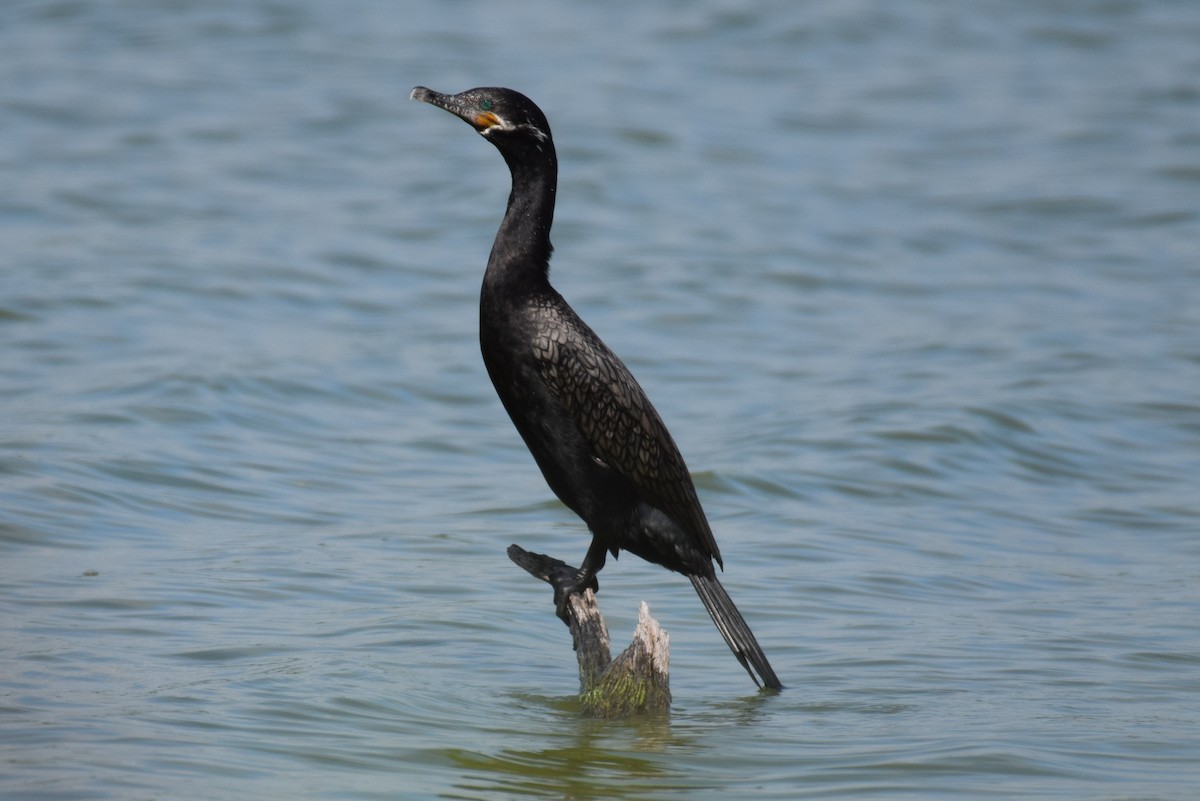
[486, 120]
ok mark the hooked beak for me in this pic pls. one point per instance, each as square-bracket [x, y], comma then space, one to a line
[458, 105]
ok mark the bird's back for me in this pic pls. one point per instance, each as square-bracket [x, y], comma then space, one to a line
[591, 417]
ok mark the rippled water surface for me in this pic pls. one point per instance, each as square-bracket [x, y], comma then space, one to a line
[915, 285]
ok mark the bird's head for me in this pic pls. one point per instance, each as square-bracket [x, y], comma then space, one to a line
[499, 115]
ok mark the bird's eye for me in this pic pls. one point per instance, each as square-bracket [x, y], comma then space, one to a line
[486, 105]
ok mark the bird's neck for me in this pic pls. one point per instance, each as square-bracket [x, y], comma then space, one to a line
[520, 256]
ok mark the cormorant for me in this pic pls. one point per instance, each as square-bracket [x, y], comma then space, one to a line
[601, 446]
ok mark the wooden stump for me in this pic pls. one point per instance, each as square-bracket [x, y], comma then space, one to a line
[637, 681]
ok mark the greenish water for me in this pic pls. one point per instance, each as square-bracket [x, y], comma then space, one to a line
[914, 285]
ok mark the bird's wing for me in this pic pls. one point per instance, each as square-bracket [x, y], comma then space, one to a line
[616, 417]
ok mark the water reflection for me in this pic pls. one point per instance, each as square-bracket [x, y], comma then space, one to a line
[589, 765]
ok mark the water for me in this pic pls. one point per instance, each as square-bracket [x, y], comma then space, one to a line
[914, 285]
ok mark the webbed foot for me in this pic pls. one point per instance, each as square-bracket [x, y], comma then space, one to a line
[566, 581]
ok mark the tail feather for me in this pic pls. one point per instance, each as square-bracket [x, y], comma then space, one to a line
[733, 628]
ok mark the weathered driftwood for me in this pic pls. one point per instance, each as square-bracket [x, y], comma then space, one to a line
[637, 681]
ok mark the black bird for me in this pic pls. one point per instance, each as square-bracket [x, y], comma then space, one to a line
[591, 429]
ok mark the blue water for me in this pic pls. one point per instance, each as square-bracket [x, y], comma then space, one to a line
[914, 285]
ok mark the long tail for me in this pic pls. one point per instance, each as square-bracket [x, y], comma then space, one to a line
[735, 631]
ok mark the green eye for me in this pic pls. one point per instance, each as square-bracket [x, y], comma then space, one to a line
[486, 105]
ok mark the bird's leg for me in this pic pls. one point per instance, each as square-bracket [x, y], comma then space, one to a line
[567, 580]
